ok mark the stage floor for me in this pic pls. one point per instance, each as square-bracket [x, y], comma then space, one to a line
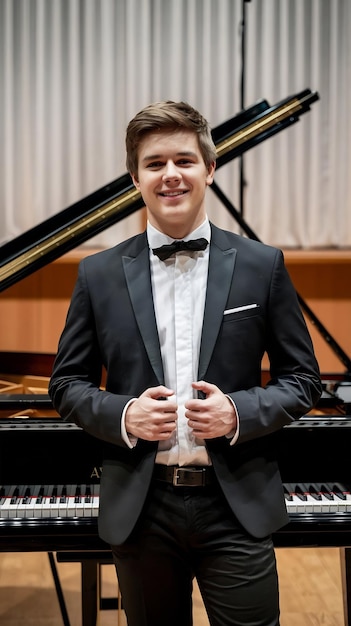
[310, 590]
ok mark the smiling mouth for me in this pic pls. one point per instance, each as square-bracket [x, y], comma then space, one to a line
[172, 194]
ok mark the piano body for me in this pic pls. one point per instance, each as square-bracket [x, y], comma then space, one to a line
[49, 496]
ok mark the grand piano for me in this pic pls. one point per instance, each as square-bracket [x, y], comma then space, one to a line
[49, 498]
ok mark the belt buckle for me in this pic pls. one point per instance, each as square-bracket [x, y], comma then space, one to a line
[179, 474]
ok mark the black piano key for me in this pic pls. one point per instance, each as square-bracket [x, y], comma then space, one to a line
[313, 490]
[339, 491]
[77, 498]
[327, 492]
[63, 496]
[53, 497]
[87, 498]
[287, 493]
[15, 496]
[40, 496]
[299, 492]
[27, 495]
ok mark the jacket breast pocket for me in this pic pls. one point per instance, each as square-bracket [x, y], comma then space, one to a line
[241, 313]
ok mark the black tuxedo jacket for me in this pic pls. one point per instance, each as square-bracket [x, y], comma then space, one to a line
[111, 324]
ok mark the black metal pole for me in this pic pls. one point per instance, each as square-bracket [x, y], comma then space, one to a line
[242, 182]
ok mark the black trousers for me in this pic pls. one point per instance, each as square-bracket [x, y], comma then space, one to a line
[187, 532]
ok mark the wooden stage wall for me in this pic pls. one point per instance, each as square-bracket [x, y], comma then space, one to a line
[32, 312]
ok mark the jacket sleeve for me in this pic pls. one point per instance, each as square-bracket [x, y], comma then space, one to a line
[75, 384]
[294, 386]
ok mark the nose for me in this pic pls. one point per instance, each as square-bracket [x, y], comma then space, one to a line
[171, 172]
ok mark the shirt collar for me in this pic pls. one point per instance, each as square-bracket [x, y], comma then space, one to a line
[157, 239]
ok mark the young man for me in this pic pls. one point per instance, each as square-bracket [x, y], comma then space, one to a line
[190, 486]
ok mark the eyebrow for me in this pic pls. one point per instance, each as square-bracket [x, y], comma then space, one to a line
[151, 157]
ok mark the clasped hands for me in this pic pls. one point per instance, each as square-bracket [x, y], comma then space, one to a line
[153, 417]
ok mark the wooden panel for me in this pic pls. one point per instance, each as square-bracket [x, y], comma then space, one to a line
[323, 279]
[33, 312]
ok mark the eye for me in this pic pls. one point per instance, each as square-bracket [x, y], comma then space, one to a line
[154, 164]
[185, 162]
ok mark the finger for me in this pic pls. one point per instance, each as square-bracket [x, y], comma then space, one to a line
[159, 393]
[204, 387]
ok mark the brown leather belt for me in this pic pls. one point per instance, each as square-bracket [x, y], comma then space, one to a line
[184, 476]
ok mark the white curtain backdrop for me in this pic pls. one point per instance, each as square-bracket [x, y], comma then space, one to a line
[74, 72]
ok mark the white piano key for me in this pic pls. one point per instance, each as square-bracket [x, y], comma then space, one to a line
[6, 511]
[38, 499]
[88, 501]
[344, 506]
[23, 501]
[2, 496]
[296, 505]
[79, 501]
[9, 508]
[95, 504]
[320, 503]
[71, 507]
[50, 506]
[341, 497]
[62, 502]
[31, 505]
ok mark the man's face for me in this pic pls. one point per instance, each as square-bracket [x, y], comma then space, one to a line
[172, 179]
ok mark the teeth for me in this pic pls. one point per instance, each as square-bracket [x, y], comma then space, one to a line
[173, 193]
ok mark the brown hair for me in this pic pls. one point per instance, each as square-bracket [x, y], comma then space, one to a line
[168, 116]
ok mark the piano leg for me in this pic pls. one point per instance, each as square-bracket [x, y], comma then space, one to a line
[345, 560]
[59, 591]
[92, 601]
[90, 583]
[90, 592]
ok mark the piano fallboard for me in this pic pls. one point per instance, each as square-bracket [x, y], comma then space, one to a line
[312, 449]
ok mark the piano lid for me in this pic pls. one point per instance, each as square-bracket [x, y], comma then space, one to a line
[115, 201]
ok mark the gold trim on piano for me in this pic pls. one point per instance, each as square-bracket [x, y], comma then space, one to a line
[268, 121]
[113, 207]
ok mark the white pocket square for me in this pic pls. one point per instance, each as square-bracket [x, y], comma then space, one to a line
[237, 309]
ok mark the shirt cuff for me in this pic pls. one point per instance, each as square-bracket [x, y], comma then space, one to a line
[234, 434]
[128, 439]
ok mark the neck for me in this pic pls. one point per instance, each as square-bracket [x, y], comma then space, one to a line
[180, 231]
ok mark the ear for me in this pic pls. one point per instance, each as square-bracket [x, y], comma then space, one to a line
[135, 182]
[210, 173]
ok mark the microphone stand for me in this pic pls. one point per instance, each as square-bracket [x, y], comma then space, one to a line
[242, 102]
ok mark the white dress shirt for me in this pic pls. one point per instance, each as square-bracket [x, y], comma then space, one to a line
[179, 291]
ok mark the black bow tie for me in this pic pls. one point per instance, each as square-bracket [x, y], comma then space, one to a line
[164, 252]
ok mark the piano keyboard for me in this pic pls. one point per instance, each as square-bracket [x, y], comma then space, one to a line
[57, 501]
[317, 498]
[49, 501]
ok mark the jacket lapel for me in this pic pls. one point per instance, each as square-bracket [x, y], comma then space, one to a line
[220, 276]
[137, 273]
